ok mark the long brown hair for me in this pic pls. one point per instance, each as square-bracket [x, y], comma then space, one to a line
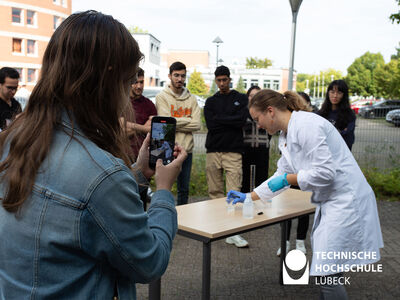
[87, 70]
[287, 101]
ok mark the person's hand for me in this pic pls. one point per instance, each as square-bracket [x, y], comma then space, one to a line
[277, 183]
[142, 161]
[166, 175]
[235, 196]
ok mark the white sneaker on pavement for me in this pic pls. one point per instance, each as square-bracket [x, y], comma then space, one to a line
[301, 246]
[237, 240]
[278, 253]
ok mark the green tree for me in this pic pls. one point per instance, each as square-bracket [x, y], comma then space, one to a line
[213, 89]
[136, 29]
[360, 74]
[240, 86]
[196, 84]
[387, 78]
[328, 75]
[301, 81]
[397, 55]
[257, 63]
[396, 17]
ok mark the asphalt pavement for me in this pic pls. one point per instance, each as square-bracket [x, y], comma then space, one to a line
[252, 273]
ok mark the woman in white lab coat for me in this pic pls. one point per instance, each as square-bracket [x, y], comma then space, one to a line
[316, 158]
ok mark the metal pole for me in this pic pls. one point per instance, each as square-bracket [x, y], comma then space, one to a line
[217, 54]
[284, 229]
[292, 43]
[323, 85]
[155, 290]
[206, 277]
[314, 87]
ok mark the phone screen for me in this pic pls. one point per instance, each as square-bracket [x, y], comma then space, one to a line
[162, 140]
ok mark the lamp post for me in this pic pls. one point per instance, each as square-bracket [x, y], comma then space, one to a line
[295, 5]
[217, 41]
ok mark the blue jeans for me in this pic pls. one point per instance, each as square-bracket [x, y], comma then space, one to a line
[184, 180]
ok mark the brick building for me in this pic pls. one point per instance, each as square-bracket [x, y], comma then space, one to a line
[25, 30]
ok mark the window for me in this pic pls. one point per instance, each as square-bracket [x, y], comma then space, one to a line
[31, 49]
[19, 70]
[31, 75]
[56, 22]
[254, 82]
[275, 85]
[245, 83]
[30, 17]
[16, 15]
[17, 46]
[267, 84]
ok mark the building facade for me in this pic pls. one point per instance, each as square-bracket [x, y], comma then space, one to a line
[150, 47]
[193, 59]
[270, 78]
[25, 30]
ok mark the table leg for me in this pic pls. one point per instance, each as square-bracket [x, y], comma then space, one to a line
[205, 293]
[283, 250]
[155, 290]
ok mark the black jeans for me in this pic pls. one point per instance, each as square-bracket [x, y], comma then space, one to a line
[302, 227]
[184, 180]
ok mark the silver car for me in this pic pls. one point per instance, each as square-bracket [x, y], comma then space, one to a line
[393, 117]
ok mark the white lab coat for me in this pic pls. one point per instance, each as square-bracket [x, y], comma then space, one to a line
[346, 217]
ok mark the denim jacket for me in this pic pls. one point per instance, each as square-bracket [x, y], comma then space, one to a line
[83, 228]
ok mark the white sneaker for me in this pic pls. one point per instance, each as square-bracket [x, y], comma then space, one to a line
[237, 240]
[301, 246]
[278, 253]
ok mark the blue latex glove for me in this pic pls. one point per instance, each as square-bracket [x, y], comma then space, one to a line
[235, 197]
[278, 183]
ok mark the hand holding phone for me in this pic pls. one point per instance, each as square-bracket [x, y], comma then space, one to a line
[162, 140]
[166, 175]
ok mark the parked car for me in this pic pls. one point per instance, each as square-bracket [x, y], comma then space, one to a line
[151, 92]
[355, 106]
[379, 109]
[393, 117]
[316, 103]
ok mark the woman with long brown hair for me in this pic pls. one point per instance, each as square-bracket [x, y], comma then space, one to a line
[71, 220]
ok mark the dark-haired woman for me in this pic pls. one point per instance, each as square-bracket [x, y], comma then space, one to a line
[72, 224]
[336, 109]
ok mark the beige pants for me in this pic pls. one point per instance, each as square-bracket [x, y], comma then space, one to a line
[216, 164]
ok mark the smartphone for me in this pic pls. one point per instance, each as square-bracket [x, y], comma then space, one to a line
[162, 140]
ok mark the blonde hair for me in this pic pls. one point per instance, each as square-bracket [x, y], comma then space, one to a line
[287, 101]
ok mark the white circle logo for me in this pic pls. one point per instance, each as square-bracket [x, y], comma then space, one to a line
[295, 260]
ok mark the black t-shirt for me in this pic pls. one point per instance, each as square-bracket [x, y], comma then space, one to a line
[8, 113]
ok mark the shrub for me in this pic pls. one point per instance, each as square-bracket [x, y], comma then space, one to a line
[386, 184]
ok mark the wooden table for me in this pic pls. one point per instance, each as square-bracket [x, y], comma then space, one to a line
[208, 221]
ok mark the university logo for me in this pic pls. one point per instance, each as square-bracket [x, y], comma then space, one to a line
[295, 260]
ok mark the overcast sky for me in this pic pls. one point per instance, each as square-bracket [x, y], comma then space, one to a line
[330, 33]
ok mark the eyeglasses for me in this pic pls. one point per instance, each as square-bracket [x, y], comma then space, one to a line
[335, 92]
[12, 88]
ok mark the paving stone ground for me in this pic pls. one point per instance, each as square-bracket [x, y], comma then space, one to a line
[252, 273]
